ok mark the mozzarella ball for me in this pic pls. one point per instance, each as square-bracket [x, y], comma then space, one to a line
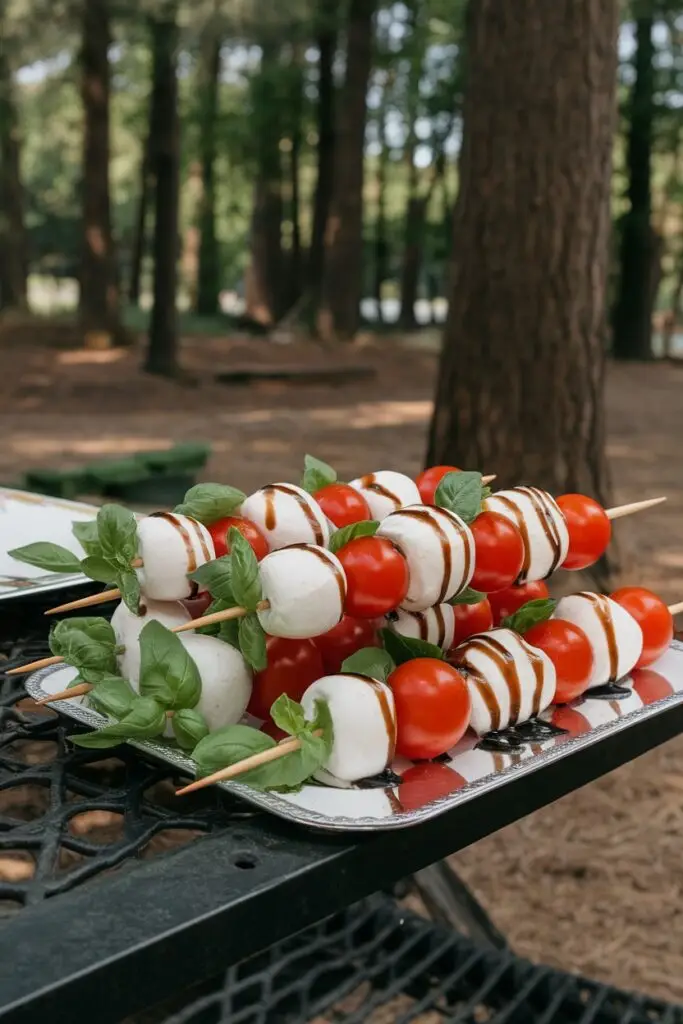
[286, 514]
[544, 531]
[386, 491]
[226, 680]
[171, 546]
[439, 549]
[435, 625]
[305, 586]
[614, 635]
[364, 722]
[128, 626]
[509, 681]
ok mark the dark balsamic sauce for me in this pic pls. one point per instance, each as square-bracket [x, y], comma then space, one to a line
[609, 691]
[516, 736]
[384, 780]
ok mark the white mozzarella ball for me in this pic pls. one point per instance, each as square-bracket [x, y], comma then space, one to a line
[544, 531]
[286, 514]
[226, 681]
[386, 491]
[614, 635]
[128, 626]
[439, 549]
[509, 681]
[305, 586]
[364, 723]
[435, 625]
[171, 546]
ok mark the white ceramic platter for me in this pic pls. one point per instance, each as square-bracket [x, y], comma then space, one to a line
[434, 787]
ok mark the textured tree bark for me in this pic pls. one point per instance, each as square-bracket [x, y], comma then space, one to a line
[140, 232]
[327, 45]
[13, 241]
[339, 311]
[208, 277]
[99, 291]
[520, 389]
[635, 298]
[165, 166]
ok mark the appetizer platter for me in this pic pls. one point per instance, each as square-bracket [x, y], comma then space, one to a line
[355, 656]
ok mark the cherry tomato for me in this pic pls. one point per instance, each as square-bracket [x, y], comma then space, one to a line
[292, 666]
[428, 481]
[506, 602]
[423, 783]
[653, 617]
[499, 552]
[433, 707]
[589, 530]
[376, 576]
[571, 653]
[650, 686]
[570, 719]
[342, 505]
[344, 639]
[274, 731]
[471, 619]
[197, 606]
[250, 531]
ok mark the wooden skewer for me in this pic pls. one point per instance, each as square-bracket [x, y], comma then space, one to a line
[35, 665]
[86, 602]
[272, 754]
[633, 506]
[676, 609]
[75, 691]
[488, 479]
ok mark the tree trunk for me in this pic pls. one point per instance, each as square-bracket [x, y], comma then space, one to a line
[412, 258]
[208, 278]
[165, 166]
[674, 311]
[140, 233]
[520, 389]
[381, 248]
[415, 207]
[99, 292]
[327, 46]
[634, 305]
[13, 241]
[296, 114]
[339, 312]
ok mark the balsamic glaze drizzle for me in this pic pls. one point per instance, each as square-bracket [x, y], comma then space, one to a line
[608, 691]
[516, 736]
[384, 780]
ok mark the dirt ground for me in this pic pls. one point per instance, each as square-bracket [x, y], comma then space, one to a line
[593, 883]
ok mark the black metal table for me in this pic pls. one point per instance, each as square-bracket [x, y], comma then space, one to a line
[92, 930]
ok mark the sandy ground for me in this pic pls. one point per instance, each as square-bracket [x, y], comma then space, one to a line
[593, 883]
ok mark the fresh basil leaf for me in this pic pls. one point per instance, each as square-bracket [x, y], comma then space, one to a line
[228, 746]
[167, 672]
[461, 493]
[405, 648]
[291, 770]
[366, 528]
[323, 720]
[207, 503]
[229, 632]
[216, 577]
[112, 696]
[530, 614]
[52, 557]
[129, 585]
[144, 721]
[251, 639]
[100, 569]
[370, 661]
[86, 534]
[467, 596]
[189, 728]
[288, 715]
[88, 643]
[317, 474]
[246, 579]
[117, 530]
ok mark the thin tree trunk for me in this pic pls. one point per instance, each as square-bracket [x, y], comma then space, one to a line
[327, 45]
[208, 278]
[674, 311]
[165, 164]
[522, 370]
[415, 207]
[13, 241]
[140, 234]
[99, 292]
[339, 312]
[634, 304]
[381, 249]
[296, 138]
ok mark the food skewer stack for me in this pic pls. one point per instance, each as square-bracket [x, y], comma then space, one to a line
[372, 603]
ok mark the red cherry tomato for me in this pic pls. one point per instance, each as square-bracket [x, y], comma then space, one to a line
[376, 576]
[292, 666]
[197, 606]
[499, 552]
[653, 617]
[423, 783]
[650, 686]
[250, 531]
[506, 602]
[428, 481]
[571, 653]
[589, 530]
[471, 619]
[343, 640]
[433, 707]
[342, 505]
[273, 730]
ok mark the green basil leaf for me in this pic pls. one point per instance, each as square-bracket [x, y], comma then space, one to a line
[88, 643]
[323, 720]
[252, 642]
[246, 579]
[52, 557]
[113, 696]
[229, 632]
[129, 585]
[167, 672]
[468, 596]
[86, 534]
[405, 648]
[228, 746]
[530, 614]
[288, 715]
[292, 770]
[144, 721]
[117, 530]
[366, 528]
[317, 474]
[370, 661]
[207, 503]
[216, 577]
[461, 493]
[189, 728]
[100, 569]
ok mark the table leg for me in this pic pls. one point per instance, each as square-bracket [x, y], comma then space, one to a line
[449, 901]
